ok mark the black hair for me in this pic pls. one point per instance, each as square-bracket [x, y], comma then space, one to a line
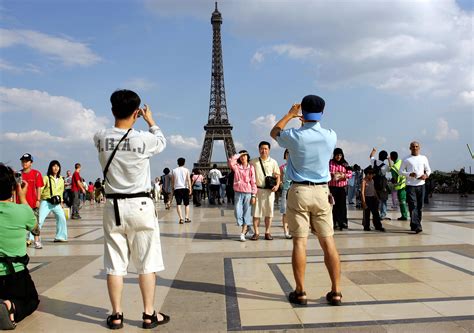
[383, 155]
[245, 153]
[343, 161]
[181, 161]
[285, 152]
[356, 167]
[166, 171]
[263, 143]
[7, 182]
[124, 103]
[393, 156]
[368, 170]
[77, 165]
[50, 168]
[214, 166]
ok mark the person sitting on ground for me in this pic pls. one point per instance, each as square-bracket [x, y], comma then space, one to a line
[18, 295]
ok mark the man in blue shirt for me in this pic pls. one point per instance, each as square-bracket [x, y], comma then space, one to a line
[308, 205]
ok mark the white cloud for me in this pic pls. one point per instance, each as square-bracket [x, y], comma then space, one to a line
[467, 97]
[69, 118]
[139, 84]
[444, 132]
[7, 66]
[264, 123]
[32, 137]
[182, 142]
[257, 58]
[67, 51]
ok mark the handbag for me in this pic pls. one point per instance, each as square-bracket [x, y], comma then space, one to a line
[55, 199]
[270, 181]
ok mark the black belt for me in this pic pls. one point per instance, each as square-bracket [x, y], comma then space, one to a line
[120, 196]
[309, 183]
[9, 261]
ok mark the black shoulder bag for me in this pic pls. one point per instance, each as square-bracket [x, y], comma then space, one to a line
[55, 199]
[270, 181]
[113, 154]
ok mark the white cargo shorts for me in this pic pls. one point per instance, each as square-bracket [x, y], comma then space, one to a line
[137, 238]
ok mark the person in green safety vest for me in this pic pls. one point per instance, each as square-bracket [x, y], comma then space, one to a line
[400, 183]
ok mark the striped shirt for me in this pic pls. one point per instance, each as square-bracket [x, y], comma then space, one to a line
[333, 168]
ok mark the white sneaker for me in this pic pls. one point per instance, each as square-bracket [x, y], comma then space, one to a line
[288, 236]
[242, 238]
[38, 245]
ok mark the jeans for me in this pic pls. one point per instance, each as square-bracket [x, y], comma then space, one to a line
[415, 196]
[242, 209]
[61, 226]
[283, 197]
[76, 201]
[350, 193]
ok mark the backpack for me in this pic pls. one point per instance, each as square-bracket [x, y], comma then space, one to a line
[380, 181]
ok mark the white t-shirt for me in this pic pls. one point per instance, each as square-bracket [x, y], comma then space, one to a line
[384, 169]
[417, 164]
[180, 175]
[129, 171]
[214, 175]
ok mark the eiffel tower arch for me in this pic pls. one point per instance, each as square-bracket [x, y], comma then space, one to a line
[218, 127]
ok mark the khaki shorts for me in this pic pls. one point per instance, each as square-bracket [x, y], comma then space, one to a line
[137, 237]
[264, 203]
[308, 208]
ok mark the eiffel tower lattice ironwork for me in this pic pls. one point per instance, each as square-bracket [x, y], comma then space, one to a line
[218, 127]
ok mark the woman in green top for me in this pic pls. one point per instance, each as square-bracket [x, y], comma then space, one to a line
[18, 295]
[53, 187]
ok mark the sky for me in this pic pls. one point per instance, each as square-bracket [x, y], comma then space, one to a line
[391, 72]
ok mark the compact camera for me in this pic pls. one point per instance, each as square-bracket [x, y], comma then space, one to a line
[18, 178]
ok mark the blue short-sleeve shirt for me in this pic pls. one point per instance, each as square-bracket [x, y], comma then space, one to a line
[310, 147]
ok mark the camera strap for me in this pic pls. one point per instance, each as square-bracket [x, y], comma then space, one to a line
[263, 169]
[113, 154]
[50, 188]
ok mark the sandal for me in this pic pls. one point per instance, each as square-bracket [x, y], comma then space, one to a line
[268, 236]
[333, 301]
[110, 321]
[187, 221]
[254, 237]
[181, 221]
[295, 298]
[5, 322]
[154, 320]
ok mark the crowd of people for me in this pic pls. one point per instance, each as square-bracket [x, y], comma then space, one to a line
[314, 187]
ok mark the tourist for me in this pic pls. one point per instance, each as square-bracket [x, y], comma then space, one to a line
[340, 173]
[370, 201]
[77, 187]
[51, 201]
[18, 295]
[285, 186]
[245, 190]
[214, 176]
[197, 180]
[267, 178]
[131, 228]
[416, 169]
[166, 187]
[380, 180]
[399, 184]
[308, 207]
[182, 189]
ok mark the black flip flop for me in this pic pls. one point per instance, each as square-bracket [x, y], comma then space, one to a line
[5, 322]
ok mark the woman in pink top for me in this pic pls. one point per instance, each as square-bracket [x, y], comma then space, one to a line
[197, 187]
[245, 189]
[340, 173]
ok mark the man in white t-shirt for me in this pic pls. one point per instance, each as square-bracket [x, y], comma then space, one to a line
[215, 184]
[181, 187]
[130, 224]
[416, 169]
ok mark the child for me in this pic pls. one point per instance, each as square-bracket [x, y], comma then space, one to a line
[370, 202]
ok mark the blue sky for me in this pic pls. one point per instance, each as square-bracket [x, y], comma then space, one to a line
[390, 72]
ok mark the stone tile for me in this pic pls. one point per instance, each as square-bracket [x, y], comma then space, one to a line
[435, 327]
[453, 308]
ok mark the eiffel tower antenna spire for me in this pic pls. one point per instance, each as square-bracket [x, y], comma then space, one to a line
[218, 127]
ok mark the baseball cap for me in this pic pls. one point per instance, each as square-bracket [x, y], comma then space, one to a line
[26, 157]
[312, 107]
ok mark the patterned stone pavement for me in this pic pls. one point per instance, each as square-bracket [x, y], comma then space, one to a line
[392, 282]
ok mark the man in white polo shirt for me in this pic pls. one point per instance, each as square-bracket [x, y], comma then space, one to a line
[416, 169]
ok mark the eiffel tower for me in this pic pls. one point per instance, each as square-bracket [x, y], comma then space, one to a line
[218, 127]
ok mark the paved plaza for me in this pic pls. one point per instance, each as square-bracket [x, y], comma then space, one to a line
[391, 282]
